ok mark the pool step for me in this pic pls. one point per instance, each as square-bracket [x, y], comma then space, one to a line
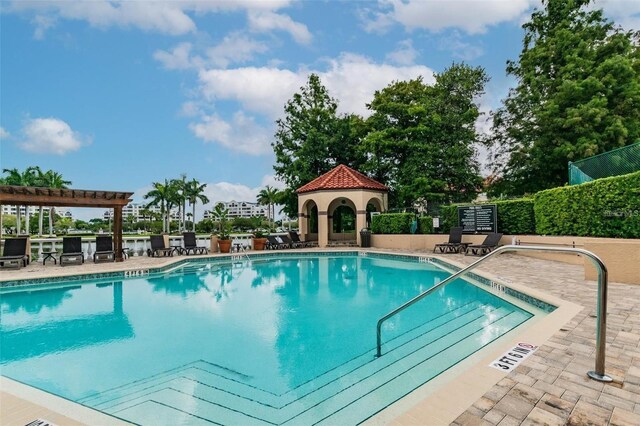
[212, 373]
[205, 395]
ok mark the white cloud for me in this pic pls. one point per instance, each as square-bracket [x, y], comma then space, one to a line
[235, 48]
[404, 54]
[190, 109]
[471, 16]
[623, 12]
[4, 134]
[352, 79]
[265, 21]
[241, 134]
[226, 191]
[168, 17]
[178, 58]
[459, 48]
[51, 136]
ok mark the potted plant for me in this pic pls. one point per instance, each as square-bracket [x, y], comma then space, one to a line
[221, 215]
[259, 239]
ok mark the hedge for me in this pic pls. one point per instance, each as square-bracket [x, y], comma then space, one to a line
[608, 207]
[425, 225]
[514, 216]
[392, 223]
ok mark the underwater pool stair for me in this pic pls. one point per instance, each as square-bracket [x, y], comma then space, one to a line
[202, 392]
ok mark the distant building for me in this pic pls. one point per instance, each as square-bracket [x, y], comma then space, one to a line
[34, 210]
[243, 209]
[137, 211]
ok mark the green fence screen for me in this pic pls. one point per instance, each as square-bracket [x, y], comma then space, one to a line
[613, 163]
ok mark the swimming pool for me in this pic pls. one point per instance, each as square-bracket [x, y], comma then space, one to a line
[281, 340]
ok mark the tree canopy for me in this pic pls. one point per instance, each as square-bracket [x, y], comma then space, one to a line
[577, 95]
[312, 138]
[421, 138]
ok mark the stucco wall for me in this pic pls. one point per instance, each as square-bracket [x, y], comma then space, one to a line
[622, 256]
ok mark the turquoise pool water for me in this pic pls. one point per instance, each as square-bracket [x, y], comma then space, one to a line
[288, 340]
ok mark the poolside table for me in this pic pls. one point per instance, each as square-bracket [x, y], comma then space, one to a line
[49, 255]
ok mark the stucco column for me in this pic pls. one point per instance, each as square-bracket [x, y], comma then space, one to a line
[323, 229]
[302, 225]
[361, 222]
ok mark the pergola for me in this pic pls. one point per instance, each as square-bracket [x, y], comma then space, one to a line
[52, 197]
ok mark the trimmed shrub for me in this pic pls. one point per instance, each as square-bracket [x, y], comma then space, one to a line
[516, 216]
[448, 218]
[425, 225]
[392, 223]
[608, 207]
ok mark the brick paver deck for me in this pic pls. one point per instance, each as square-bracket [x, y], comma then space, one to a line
[551, 386]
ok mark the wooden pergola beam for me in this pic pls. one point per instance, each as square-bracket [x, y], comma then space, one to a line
[52, 197]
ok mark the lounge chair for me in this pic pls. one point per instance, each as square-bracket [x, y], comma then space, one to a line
[274, 244]
[190, 244]
[14, 253]
[296, 241]
[490, 242]
[158, 248]
[71, 250]
[455, 244]
[285, 241]
[104, 249]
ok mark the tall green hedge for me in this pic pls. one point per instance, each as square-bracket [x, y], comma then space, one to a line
[425, 225]
[514, 216]
[607, 207]
[392, 223]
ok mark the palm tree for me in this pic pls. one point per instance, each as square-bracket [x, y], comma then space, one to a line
[268, 197]
[26, 178]
[52, 179]
[159, 196]
[181, 187]
[194, 191]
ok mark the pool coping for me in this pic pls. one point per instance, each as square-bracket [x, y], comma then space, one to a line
[467, 380]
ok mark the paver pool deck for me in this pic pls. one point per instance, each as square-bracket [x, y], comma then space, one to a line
[550, 387]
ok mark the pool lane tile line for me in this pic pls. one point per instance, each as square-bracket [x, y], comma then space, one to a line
[177, 409]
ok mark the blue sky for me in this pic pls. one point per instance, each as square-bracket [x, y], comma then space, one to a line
[118, 94]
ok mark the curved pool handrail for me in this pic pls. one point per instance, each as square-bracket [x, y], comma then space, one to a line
[601, 322]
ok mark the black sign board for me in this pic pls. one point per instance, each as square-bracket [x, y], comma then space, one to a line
[481, 218]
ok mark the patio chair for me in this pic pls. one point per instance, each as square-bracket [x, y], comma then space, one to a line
[191, 245]
[104, 249]
[284, 241]
[490, 243]
[158, 247]
[455, 244]
[71, 250]
[14, 253]
[273, 243]
[296, 241]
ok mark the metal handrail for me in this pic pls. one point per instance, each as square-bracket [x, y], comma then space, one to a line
[601, 322]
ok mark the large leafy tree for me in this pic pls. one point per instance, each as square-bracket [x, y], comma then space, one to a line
[312, 138]
[577, 95]
[421, 139]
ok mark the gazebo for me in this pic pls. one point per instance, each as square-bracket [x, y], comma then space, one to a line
[335, 206]
[39, 196]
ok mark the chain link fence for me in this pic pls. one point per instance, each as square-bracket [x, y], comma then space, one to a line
[613, 163]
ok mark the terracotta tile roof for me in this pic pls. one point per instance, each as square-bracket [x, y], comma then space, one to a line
[342, 177]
